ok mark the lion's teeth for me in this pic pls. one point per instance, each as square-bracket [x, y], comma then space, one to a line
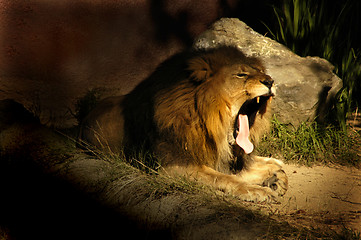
[270, 99]
[257, 99]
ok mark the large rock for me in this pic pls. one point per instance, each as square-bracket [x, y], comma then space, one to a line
[304, 85]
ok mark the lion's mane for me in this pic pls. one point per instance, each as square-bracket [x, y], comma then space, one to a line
[195, 113]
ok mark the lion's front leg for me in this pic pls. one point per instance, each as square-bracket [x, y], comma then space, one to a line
[266, 172]
[228, 183]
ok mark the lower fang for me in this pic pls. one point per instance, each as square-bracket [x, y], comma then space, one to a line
[270, 99]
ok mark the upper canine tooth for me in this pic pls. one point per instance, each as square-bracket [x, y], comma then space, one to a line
[257, 99]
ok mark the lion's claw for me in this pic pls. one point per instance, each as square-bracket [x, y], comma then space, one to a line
[259, 194]
[278, 182]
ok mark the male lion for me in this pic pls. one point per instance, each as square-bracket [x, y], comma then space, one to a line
[200, 113]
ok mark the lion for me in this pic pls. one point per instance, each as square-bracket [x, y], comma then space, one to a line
[200, 113]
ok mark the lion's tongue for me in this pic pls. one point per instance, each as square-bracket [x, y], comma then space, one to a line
[243, 134]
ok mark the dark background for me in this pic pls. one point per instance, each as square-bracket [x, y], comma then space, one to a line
[53, 52]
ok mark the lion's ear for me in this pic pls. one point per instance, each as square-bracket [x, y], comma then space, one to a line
[200, 69]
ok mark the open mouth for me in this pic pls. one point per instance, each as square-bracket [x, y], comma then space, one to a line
[245, 120]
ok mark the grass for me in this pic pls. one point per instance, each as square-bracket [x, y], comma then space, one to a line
[312, 143]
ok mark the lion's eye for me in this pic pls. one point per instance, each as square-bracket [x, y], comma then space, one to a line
[242, 75]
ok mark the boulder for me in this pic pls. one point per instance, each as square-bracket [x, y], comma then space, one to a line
[304, 85]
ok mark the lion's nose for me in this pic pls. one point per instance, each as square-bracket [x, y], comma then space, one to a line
[268, 82]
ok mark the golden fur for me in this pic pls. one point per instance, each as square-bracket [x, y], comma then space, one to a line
[186, 113]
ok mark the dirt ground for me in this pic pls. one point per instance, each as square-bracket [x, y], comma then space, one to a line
[326, 197]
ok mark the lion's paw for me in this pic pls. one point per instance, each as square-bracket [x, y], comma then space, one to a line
[258, 194]
[273, 161]
[278, 182]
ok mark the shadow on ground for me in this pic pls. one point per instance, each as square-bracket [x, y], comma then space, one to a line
[36, 206]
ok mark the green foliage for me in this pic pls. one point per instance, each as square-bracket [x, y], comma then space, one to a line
[296, 20]
[325, 29]
[312, 143]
